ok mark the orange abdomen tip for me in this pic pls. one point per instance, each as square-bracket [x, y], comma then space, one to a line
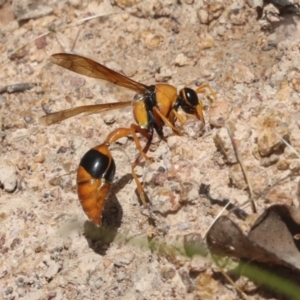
[94, 177]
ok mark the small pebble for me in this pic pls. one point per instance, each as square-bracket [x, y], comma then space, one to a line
[202, 16]
[242, 74]
[8, 177]
[181, 60]
[164, 74]
[8, 290]
[124, 258]
[184, 225]
[151, 40]
[109, 118]
[206, 42]
[53, 269]
[20, 282]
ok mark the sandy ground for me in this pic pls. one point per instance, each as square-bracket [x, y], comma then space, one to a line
[48, 249]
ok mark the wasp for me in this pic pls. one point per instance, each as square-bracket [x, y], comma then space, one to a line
[153, 107]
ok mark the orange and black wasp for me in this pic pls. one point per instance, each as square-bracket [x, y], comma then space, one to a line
[153, 107]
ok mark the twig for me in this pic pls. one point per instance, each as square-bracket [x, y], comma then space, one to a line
[233, 283]
[287, 144]
[242, 167]
[17, 88]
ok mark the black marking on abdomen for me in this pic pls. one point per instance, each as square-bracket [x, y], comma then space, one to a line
[98, 165]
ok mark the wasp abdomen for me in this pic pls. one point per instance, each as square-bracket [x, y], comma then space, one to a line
[99, 163]
[94, 177]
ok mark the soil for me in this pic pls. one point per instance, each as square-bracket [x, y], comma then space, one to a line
[48, 248]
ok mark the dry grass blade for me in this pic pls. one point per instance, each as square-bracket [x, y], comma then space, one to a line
[216, 218]
[287, 144]
[242, 167]
[244, 296]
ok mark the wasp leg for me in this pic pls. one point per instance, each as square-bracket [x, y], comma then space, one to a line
[147, 134]
[140, 188]
[166, 121]
[202, 89]
[174, 114]
[122, 132]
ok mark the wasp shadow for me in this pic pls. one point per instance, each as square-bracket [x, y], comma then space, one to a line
[100, 238]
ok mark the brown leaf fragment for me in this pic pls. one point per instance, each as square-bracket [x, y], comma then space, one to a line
[274, 231]
[271, 239]
[41, 42]
[226, 238]
[21, 53]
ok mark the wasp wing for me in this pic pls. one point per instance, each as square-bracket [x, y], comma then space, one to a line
[85, 66]
[88, 109]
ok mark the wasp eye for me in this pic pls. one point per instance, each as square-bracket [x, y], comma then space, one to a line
[189, 96]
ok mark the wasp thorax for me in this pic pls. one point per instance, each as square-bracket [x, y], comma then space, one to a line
[139, 97]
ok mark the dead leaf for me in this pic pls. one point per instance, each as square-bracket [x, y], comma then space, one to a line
[271, 239]
[275, 230]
